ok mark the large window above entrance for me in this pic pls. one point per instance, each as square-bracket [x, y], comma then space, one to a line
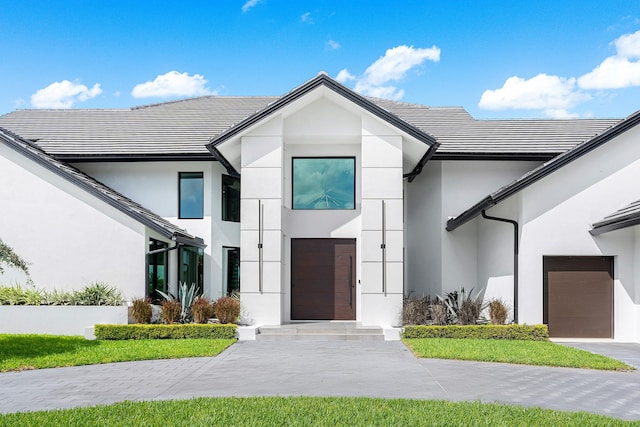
[324, 182]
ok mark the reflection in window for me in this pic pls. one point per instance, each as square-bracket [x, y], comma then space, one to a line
[231, 269]
[323, 183]
[191, 195]
[157, 274]
[230, 198]
[191, 263]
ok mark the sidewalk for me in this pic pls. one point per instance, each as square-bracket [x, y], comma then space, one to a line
[334, 368]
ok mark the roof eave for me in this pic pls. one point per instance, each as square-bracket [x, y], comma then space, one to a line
[470, 213]
[300, 91]
[91, 190]
[546, 169]
[602, 227]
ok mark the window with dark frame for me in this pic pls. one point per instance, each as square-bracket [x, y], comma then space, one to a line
[230, 198]
[191, 266]
[157, 269]
[323, 183]
[191, 195]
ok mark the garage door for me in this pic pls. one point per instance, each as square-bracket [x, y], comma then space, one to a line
[578, 296]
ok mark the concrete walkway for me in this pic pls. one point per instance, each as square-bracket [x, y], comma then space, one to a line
[333, 368]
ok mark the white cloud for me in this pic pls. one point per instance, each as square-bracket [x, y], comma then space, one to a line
[63, 94]
[552, 94]
[249, 4]
[333, 45]
[344, 76]
[628, 45]
[618, 71]
[306, 18]
[392, 67]
[173, 84]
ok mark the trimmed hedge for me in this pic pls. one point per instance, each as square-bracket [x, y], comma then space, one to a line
[144, 332]
[495, 332]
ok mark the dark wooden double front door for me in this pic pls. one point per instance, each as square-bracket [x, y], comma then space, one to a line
[323, 275]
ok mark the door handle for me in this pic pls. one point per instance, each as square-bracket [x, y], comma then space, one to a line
[349, 282]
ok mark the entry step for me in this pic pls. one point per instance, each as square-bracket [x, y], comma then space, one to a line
[321, 331]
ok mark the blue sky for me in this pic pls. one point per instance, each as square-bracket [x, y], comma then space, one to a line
[498, 59]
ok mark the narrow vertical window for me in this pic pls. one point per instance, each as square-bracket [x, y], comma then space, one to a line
[231, 269]
[230, 198]
[191, 264]
[157, 264]
[191, 203]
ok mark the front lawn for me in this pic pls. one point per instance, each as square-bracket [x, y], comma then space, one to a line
[305, 411]
[20, 352]
[542, 353]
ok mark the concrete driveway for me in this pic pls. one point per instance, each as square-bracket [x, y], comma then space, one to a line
[333, 368]
[627, 352]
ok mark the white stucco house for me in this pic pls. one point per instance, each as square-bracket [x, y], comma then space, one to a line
[322, 204]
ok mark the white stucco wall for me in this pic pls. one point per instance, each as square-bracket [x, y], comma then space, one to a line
[439, 261]
[155, 186]
[317, 127]
[69, 237]
[555, 216]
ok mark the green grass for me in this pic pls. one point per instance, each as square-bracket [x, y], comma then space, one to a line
[541, 353]
[305, 411]
[20, 352]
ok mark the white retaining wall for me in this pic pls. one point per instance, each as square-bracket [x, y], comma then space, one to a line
[57, 319]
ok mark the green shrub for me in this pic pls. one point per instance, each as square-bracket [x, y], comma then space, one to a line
[498, 311]
[227, 309]
[142, 332]
[98, 293]
[503, 332]
[141, 310]
[202, 310]
[57, 297]
[170, 312]
[95, 294]
[17, 295]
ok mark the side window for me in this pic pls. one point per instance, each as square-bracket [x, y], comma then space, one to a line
[191, 195]
[230, 198]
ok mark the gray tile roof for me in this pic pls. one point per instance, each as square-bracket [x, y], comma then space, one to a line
[622, 218]
[459, 133]
[99, 190]
[183, 128]
[543, 170]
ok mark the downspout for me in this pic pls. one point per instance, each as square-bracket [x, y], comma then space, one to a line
[515, 260]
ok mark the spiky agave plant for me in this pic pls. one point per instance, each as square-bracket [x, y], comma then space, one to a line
[186, 296]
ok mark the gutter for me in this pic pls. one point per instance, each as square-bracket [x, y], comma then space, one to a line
[515, 259]
[423, 161]
[223, 161]
[544, 170]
